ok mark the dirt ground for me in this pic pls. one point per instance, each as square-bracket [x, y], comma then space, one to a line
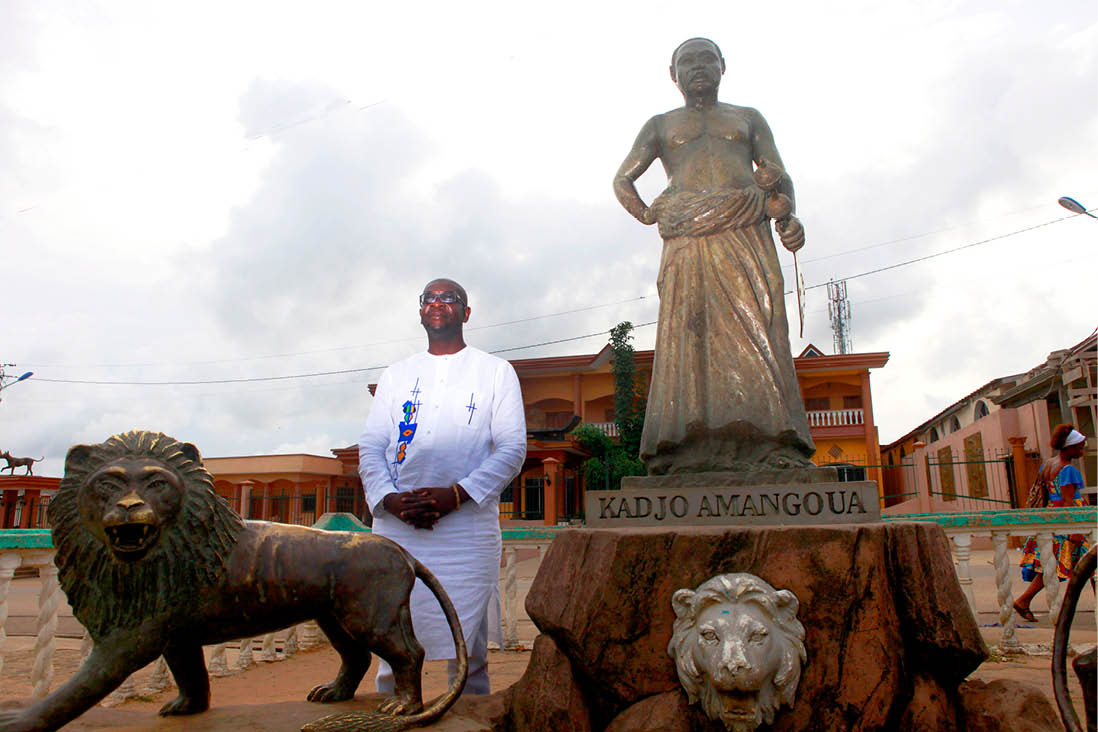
[270, 695]
[280, 687]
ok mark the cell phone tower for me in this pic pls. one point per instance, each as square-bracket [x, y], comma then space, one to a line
[838, 310]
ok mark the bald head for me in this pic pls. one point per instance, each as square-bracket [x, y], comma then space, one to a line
[450, 285]
[716, 48]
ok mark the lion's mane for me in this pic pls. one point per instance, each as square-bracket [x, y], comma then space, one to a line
[107, 593]
[781, 608]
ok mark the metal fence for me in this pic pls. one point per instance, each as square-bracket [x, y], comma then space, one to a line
[971, 483]
[21, 513]
[523, 501]
[303, 510]
[982, 482]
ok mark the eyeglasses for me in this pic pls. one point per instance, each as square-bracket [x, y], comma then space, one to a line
[448, 298]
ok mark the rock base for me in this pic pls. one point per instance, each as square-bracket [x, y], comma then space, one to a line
[889, 634]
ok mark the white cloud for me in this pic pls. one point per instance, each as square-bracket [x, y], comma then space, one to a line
[190, 188]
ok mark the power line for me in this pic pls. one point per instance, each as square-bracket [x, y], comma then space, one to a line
[336, 349]
[512, 322]
[307, 375]
[947, 251]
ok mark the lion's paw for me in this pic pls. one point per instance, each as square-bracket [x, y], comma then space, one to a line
[330, 693]
[12, 721]
[183, 705]
[398, 705]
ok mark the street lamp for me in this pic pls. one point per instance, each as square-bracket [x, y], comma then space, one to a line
[1075, 207]
[22, 377]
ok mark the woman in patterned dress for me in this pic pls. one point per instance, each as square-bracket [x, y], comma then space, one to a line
[1064, 484]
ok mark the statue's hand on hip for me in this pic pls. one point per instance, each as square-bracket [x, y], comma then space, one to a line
[791, 232]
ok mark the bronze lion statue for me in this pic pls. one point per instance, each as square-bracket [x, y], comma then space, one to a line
[154, 563]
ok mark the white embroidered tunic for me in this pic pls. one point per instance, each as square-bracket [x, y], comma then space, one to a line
[436, 421]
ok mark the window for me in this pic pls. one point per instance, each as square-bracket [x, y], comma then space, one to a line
[308, 503]
[848, 473]
[980, 411]
[946, 488]
[933, 436]
[954, 424]
[974, 466]
[345, 499]
[852, 402]
[817, 404]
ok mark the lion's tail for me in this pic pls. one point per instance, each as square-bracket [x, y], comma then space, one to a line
[439, 706]
[376, 722]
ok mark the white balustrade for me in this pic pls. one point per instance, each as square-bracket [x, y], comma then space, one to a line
[49, 602]
[50, 599]
[289, 646]
[1006, 565]
[244, 659]
[836, 418]
[511, 607]
[610, 429]
[307, 634]
[218, 664]
[161, 678]
[268, 652]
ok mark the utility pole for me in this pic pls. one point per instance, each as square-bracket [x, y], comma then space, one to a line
[838, 310]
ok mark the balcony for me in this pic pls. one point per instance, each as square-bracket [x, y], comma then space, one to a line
[610, 429]
[836, 418]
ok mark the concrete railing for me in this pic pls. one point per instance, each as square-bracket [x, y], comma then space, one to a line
[610, 429]
[999, 526]
[516, 542]
[32, 548]
[836, 418]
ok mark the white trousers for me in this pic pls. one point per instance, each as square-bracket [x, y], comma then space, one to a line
[478, 682]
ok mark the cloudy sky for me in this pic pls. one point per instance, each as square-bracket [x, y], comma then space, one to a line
[208, 192]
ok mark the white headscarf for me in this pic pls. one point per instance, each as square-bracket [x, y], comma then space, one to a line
[1074, 438]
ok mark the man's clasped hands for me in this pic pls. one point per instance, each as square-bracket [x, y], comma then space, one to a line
[423, 507]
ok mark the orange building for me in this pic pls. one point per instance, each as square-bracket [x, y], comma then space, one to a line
[294, 489]
[839, 402]
[559, 393]
[563, 390]
[23, 500]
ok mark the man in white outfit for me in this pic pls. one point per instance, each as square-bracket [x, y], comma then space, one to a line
[445, 435]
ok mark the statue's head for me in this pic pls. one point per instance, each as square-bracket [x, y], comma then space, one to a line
[738, 648]
[697, 66]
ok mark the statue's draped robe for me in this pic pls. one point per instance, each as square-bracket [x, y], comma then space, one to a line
[724, 394]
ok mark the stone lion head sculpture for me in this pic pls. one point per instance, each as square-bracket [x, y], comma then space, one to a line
[738, 648]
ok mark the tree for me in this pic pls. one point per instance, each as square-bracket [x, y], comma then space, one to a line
[611, 461]
[628, 401]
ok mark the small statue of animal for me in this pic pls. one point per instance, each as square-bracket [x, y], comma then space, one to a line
[24, 462]
[154, 563]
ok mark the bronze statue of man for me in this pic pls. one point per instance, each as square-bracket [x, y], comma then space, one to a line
[724, 394]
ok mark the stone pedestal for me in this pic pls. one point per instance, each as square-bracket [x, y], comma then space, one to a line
[889, 639]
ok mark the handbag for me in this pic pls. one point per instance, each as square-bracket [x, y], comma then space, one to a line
[1038, 496]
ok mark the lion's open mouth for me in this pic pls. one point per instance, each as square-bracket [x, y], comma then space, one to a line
[131, 541]
[738, 706]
